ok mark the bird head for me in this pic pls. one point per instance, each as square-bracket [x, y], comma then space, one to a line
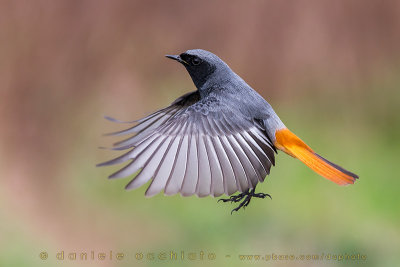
[202, 66]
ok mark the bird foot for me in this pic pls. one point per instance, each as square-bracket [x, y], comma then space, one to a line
[246, 197]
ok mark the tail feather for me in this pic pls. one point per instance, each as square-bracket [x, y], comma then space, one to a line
[294, 146]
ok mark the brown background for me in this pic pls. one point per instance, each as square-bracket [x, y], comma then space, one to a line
[329, 68]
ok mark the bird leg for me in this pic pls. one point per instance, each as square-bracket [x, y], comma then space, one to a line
[247, 195]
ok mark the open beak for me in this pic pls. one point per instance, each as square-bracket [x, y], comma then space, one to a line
[177, 58]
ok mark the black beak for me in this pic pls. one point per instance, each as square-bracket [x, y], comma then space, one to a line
[177, 58]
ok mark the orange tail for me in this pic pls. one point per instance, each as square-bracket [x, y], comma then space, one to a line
[294, 146]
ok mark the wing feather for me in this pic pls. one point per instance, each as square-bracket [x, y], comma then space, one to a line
[265, 146]
[203, 187]
[189, 149]
[177, 174]
[165, 168]
[240, 174]
[255, 160]
[259, 152]
[217, 180]
[192, 169]
[229, 179]
[152, 121]
[150, 166]
[138, 162]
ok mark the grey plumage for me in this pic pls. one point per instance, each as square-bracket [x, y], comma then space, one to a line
[212, 141]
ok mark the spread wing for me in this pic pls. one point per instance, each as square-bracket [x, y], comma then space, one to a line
[195, 146]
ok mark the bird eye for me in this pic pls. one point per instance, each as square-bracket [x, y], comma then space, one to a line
[196, 61]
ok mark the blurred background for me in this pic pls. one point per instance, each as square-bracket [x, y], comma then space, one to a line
[330, 69]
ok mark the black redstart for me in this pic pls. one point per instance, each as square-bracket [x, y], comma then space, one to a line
[217, 140]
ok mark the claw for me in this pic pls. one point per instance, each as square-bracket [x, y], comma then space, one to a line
[247, 195]
[262, 195]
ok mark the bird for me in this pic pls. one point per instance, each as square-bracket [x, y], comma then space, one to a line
[218, 139]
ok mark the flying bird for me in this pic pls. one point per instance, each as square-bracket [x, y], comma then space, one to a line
[219, 139]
